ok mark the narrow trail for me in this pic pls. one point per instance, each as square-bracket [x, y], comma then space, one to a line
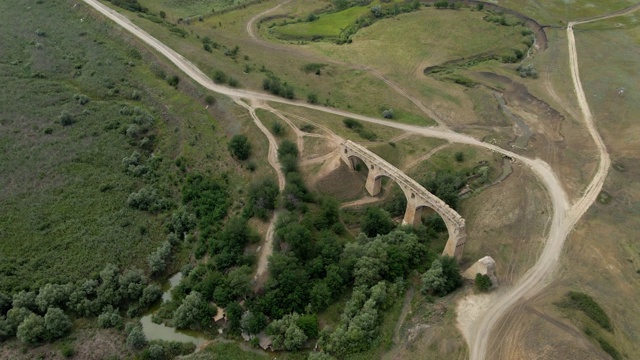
[362, 201]
[424, 157]
[562, 221]
[267, 247]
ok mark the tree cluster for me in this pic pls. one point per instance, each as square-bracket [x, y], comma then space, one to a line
[443, 277]
[35, 316]
[274, 85]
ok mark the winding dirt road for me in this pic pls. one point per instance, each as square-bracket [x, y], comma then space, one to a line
[563, 219]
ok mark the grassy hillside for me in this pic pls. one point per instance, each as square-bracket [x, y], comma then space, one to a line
[74, 104]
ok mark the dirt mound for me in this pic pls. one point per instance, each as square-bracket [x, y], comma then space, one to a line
[342, 183]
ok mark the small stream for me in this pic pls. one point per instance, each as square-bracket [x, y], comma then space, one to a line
[521, 141]
[162, 332]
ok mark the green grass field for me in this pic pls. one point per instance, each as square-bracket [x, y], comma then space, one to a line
[328, 25]
[188, 8]
[560, 12]
[64, 190]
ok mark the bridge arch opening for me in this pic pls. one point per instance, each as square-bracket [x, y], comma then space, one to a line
[417, 197]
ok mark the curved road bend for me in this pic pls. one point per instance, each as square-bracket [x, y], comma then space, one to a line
[563, 218]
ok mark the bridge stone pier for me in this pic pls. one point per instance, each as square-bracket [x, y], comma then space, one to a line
[417, 196]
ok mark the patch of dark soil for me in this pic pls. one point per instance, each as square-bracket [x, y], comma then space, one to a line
[342, 183]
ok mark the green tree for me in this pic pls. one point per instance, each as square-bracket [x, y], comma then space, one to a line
[286, 334]
[150, 295]
[110, 318]
[239, 281]
[32, 329]
[443, 276]
[320, 295]
[5, 328]
[25, 299]
[5, 303]
[434, 280]
[451, 270]
[309, 324]
[253, 322]
[263, 195]
[483, 282]
[15, 317]
[240, 147]
[234, 315]
[156, 352]
[56, 323]
[194, 312]
[287, 147]
[377, 222]
[136, 338]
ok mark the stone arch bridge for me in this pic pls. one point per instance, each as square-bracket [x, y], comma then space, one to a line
[417, 196]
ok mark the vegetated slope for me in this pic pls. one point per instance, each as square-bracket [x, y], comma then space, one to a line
[74, 103]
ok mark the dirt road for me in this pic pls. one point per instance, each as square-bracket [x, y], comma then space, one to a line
[563, 218]
[537, 277]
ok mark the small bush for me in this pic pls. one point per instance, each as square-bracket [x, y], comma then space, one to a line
[527, 71]
[66, 119]
[352, 124]
[210, 100]
[277, 129]
[81, 99]
[173, 80]
[312, 98]
[459, 156]
[387, 114]
[313, 68]
[219, 77]
[483, 282]
[67, 350]
[308, 128]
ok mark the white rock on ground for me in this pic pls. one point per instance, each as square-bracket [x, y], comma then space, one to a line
[484, 266]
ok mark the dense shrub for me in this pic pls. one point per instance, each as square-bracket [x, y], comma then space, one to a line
[240, 147]
[194, 312]
[263, 195]
[483, 282]
[527, 71]
[443, 276]
[274, 85]
[207, 199]
[589, 307]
